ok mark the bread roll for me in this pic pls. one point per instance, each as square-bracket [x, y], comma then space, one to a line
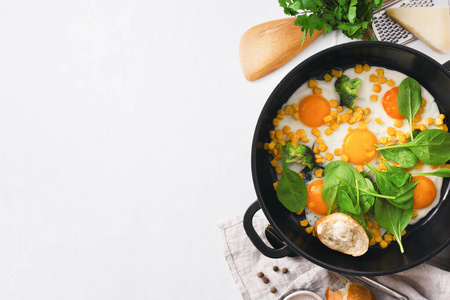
[342, 233]
[352, 291]
[268, 46]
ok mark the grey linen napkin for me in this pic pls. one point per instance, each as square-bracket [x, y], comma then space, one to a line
[245, 261]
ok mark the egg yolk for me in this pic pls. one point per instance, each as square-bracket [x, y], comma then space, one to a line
[390, 104]
[315, 201]
[359, 146]
[424, 193]
[312, 109]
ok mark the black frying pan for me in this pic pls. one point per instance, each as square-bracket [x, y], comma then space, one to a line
[423, 240]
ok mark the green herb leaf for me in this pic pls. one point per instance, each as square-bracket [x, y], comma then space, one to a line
[439, 173]
[409, 99]
[291, 190]
[397, 175]
[403, 156]
[392, 218]
[430, 146]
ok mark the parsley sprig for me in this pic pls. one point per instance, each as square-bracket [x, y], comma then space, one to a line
[353, 17]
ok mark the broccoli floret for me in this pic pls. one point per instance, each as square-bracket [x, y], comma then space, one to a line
[347, 90]
[301, 154]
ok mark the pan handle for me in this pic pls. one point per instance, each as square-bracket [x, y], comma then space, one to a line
[447, 65]
[255, 238]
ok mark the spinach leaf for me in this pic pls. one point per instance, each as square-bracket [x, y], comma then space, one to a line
[402, 156]
[401, 197]
[291, 191]
[409, 99]
[430, 146]
[392, 218]
[397, 175]
[440, 173]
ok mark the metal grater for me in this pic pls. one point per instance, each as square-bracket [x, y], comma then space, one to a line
[387, 30]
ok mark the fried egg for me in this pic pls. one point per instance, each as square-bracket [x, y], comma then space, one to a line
[314, 117]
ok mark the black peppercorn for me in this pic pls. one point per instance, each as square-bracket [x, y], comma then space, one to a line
[260, 274]
[284, 270]
[273, 289]
[275, 268]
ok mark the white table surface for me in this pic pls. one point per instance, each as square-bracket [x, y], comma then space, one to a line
[126, 130]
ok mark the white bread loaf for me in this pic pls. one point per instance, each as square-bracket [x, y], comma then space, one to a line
[352, 291]
[268, 46]
[342, 233]
[429, 24]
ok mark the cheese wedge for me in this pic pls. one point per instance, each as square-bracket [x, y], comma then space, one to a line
[429, 24]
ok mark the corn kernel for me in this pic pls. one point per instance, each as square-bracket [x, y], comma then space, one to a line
[407, 135]
[319, 140]
[266, 146]
[319, 160]
[275, 185]
[358, 116]
[274, 151]
[388, 237]
[317, 91]
[373, 78]
[423, 102]
[279, 170]
[391, 131]
[271, 145]
[352, 120]
[315, 131]
[328, 119]
[304, 140]
[398, 123]
[429, 121]
[318, 173]
[359, 168]
[414, 215]
[299, 212]
[390, 82]
[375, 231]
[382, 79]
[337, 151]
[441, 116]
[329, 156]
[323, 147]
[377, 88]
[334, 115]
[279, 134]
[379, 121]
[420, 110]
[274, 162]
[286, 129]
[301, 133]
[295, 116]
[362, 126]
[289, 110]
[375, 224]
[294, 142]
[318, 156]
[444, 127]
[417, 118]
[312, 83]
[358, 69]
[327, 77]
[281, 117]
[336, 73]
[276, 122]
[309, 229]
[423, 127]
[438, 122]
[282, 143]
[304, 223]
[339, 108]
[383, 244]
[290, 136]
[333, 103]
[379, 72]
[403, 232]
[378, 239]
[366, 111]
[328, 131]
[368, 224]
[372, 242]
[373, 98]
[366, 67]
[316, 149]
[345, 117]
[334, 126]
[344, 158]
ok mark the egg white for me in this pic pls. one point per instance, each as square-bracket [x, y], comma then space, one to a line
[335, 140]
